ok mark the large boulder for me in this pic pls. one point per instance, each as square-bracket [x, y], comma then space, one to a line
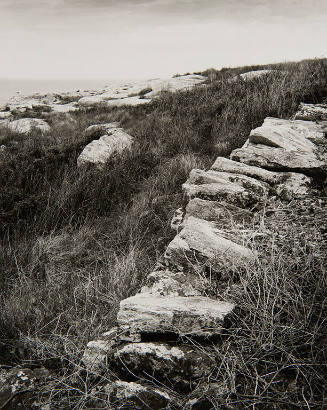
[201, 243]
[26, 125]
[99, 151]
[197, 316]
[311, 112]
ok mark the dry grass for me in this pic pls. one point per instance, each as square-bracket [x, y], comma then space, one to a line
[75, 244]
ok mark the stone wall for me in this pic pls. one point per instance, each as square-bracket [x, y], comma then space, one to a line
[162, 331]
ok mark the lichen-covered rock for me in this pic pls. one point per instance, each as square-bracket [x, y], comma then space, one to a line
[175, 364]
[26, 125]
[137, 396]
[98, 152]
[311, 112]
[198, 316]
[165, 283]
[201, 243]
[235, 188]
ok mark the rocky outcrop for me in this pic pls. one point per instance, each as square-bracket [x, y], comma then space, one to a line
[128, 94]
[285, 145]
[26, 125]
[113, 141]
[165, 332]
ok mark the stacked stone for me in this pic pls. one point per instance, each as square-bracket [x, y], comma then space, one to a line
[156, 329]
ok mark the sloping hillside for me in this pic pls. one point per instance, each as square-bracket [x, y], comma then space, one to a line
[75, 243]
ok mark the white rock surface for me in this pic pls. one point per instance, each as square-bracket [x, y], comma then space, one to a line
[26, 125]
[200, 242]
[137, 396]
[180, 315]
[99, 151]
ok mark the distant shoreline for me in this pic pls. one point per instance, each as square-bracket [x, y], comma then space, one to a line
[26, 87]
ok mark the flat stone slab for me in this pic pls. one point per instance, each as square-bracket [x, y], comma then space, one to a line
[236, 188]
[311, 112]
[289, 135]
[176, 364]
[279, 159]
[201, 243]
[286, 184]
[215, 211]
[98, 152]
[198, 315]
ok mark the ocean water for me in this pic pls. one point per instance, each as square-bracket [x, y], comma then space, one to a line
[10, 87]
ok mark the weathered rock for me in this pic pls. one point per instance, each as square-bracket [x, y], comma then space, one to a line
[63, 108]
[183, 82]
[132, 101]
[311, 112]
[279, 159]
[177, 219]
[165, 283]
[287, 184]
[98, 130]
[95, 357]
[289, 135]
[198, 316]
[137, 396]
[26, 125]
[201, 243]
[250, 75]
[19, 387]
[175, 364]
[98, 152]
[215, 211]
[236, 188]
[5, 114]
[227, 165]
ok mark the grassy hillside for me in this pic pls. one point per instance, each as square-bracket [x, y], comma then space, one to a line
[75, 243]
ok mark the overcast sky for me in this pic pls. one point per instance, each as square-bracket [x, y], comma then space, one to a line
[109, 39]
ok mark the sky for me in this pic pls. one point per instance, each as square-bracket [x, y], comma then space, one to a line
[118, 39]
